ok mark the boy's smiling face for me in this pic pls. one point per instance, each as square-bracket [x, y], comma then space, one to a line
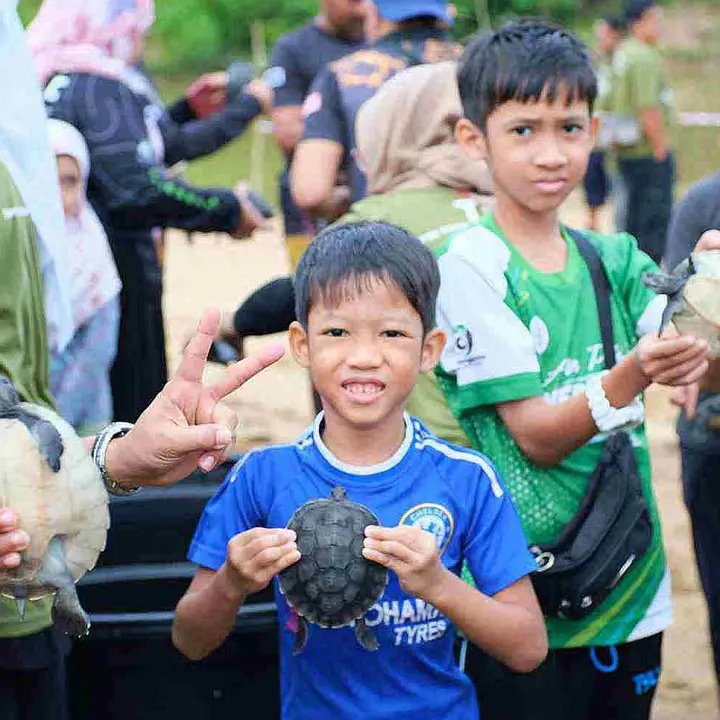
[364, 354]
[537, 151]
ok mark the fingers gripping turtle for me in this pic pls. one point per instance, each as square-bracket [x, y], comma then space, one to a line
[693, 298]
[333, 585]
[48, 478]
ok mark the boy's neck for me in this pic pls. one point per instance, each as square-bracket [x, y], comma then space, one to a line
[362, 446]
[536, 236]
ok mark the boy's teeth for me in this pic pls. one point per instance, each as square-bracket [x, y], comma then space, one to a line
[363, 388]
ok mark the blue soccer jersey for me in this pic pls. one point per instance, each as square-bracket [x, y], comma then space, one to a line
[451, 492]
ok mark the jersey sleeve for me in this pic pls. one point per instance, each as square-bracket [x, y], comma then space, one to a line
[292, 90]
[233, 509]
[496, 549]
[644, 307]
[489, 352]
[323, 112]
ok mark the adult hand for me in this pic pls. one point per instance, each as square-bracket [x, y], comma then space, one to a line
[251, 218]
[678, 360]
[263, 93]
[208, 94]
[686, 398]
[187, 425]
[709, 240]
[13, 540]
[411, 553]
[256, 556]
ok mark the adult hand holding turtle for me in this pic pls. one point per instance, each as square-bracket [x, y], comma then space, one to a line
[185, 427]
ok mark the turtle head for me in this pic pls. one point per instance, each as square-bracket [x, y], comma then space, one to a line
[338, 493]
[672, 283]
[8, 395]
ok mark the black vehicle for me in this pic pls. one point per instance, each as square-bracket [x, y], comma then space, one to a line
[127, 667]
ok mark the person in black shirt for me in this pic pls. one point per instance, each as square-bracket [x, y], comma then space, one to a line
[132, 139]
[403, 33]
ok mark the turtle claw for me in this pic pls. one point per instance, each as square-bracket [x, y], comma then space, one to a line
[21, 605]
[301, 635]
[365, 635]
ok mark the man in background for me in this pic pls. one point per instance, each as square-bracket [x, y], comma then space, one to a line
[645, 116]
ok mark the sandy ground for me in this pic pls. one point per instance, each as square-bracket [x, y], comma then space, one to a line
[275, 407]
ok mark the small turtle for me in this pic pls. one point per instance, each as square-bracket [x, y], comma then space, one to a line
[333, 585]
[49, 479]
[693, 292]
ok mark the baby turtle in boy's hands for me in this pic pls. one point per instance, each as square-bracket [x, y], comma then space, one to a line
[333, 585]
[693, 292]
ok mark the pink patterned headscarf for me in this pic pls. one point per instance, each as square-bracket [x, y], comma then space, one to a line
[89, 36]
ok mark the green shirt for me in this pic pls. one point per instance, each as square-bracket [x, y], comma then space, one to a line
[516, 333]
[640, 84]
[24, 354]
[432, 215]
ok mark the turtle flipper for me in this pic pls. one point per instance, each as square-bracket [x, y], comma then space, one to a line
[366, 637]
[67, 611]
[301, 635]
[46, 437]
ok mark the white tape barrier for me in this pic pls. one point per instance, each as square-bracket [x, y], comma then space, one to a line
[699, 119]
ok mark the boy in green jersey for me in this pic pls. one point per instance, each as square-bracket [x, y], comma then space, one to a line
[524, 362]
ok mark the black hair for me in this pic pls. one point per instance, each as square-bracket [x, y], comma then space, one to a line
[524, 60]
[635, 9]
[616, 22]
[345, 259]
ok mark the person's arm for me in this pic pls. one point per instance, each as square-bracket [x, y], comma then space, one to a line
[319, 155]
[653, 125]
[492, 358]
[501, 614]
[135, 191]
[199, 137]
[206, 614]
[287, 119]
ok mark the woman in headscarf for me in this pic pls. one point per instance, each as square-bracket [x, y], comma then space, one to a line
[86, 55]
[419, 179]
[80, 375]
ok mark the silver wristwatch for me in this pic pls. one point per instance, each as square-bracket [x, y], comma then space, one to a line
[606, 417]
[99, 453]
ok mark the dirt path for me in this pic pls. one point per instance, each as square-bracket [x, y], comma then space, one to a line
[275, 407]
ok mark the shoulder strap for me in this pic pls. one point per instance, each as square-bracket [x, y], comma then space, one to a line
[602, 292]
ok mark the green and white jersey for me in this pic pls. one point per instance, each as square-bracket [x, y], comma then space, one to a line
[515, 332]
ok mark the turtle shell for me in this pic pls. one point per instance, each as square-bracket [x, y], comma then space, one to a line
[71, 503]
[700, 312]
[332, 584]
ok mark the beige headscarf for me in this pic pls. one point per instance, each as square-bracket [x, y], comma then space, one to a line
[405, 138]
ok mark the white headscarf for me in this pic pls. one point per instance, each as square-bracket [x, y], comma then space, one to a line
[25, 151]
[93, 276]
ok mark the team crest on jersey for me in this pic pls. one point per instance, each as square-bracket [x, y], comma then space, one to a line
[434, 519]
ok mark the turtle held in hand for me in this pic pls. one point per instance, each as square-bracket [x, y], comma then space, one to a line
[333, 585]
[48, 478]
[693, 292]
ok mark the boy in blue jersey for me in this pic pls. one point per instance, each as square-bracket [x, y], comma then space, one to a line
[366, 306]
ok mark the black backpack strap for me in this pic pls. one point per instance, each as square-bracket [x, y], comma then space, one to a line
[602, 292]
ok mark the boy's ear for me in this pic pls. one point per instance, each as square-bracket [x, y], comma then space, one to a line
[433, 345]
[471, 139]
[298, 341]
[594, 128]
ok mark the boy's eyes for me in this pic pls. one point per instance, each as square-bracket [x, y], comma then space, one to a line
[526, 130]
[340, 332]
[572, 128]
[522, 130]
